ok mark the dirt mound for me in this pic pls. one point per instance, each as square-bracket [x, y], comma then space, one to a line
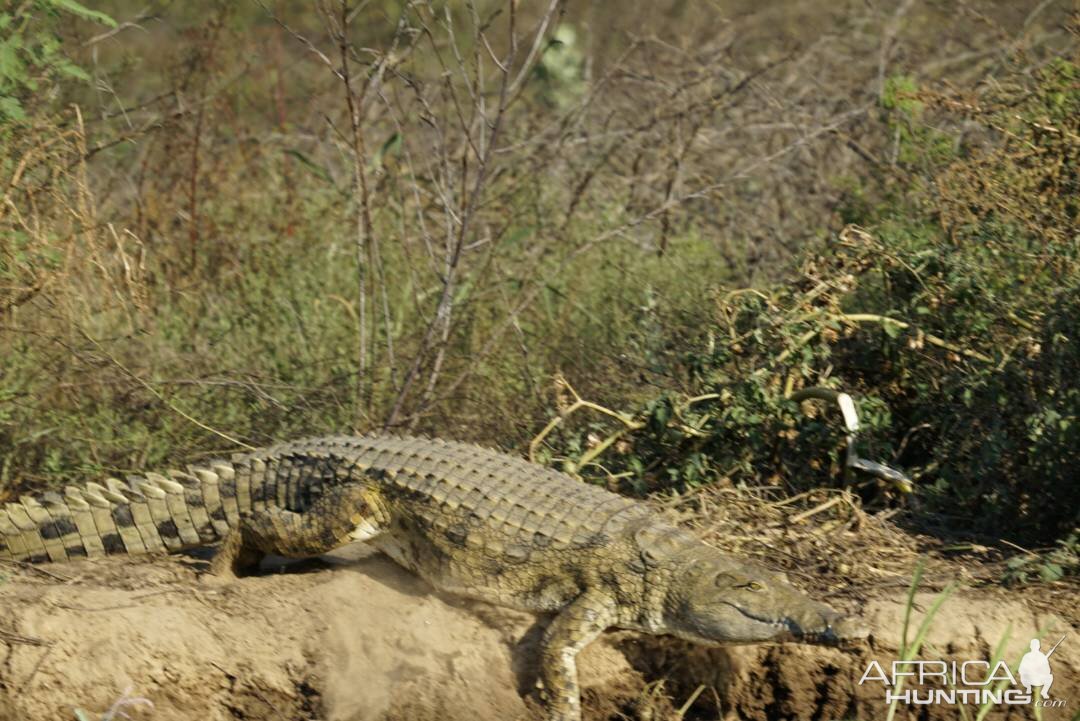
[362, 641]
[368, 641]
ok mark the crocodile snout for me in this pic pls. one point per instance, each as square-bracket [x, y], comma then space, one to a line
[823, 625]
[840, 628]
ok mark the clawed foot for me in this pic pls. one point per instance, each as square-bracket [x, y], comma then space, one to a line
[233, 559]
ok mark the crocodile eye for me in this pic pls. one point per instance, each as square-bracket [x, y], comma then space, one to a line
[723, 580]
[754, 586]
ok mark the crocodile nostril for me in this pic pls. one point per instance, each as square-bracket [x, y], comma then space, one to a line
[844, 628]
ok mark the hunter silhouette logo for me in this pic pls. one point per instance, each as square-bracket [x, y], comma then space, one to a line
[969, 682]
[1035, 668]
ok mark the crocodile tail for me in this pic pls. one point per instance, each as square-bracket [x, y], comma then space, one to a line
[175, 511]
[144, 514]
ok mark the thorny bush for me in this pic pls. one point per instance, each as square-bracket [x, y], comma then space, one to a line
[953, 314]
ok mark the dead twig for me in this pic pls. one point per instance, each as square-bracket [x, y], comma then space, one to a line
[37, 569]
[37, 667]
[12, 637]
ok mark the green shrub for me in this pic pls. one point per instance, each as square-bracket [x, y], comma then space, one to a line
[32, 60]
[212, 299]
[955, 319]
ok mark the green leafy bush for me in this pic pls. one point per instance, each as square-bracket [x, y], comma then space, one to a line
[1062, 560]
[954, 317]
[32, 60]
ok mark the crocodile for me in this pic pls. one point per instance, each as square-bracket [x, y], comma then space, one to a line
[471, 521]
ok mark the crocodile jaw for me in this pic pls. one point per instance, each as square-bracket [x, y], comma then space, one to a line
[823, 626]
[713, 598]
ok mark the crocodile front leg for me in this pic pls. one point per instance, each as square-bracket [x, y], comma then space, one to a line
[341, 515]
[573, 629]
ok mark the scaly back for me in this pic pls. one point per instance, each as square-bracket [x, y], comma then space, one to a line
[186, 509]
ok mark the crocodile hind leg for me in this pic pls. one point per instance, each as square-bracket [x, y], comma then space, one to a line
[341, 515]
[573, 629]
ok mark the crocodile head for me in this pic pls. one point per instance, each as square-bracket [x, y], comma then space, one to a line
[713, 598]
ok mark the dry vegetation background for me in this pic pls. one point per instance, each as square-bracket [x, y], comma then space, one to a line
[224, 224]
